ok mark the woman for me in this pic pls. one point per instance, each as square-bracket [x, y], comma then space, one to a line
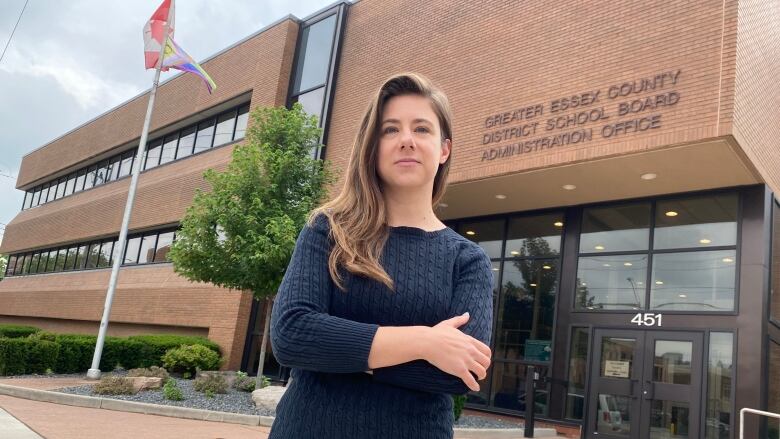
[384, 312]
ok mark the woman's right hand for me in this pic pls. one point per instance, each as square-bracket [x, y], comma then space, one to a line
[457, 353]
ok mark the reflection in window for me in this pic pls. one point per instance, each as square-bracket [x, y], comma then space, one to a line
[613, 415]
[669, 419]
[70, 260]
[59, 265]
[672, 362]
[169, 148]
[703, 221]
[719, 372]
[186, 142]
[115, 164]
[224, 131]
[104, 259]
[80, 180]
[70, 185]
[312, 102]
[526, 310]
[694, 281]
[146, 254]
[578, 365]
[34, 263]
[617, 357]
[93, 254]
[611, 282]
[314, 54]
[615, 228]
[488, 234]
[61, 187]
[164, 242]
[52, 192]
[508, 387]
[131, 250]
[102, 173]
[152, 158]
[126, 168]
[534, 236]
[81, 258]
[241, 122]
[90, 181]
[205, 136]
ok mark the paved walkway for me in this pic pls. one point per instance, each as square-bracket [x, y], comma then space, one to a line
[55, 421]
[12, 428]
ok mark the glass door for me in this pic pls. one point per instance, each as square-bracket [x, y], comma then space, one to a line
[644, 385]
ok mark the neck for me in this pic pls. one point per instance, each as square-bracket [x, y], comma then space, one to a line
[411, 209]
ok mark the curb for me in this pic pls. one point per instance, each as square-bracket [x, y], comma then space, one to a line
[215, 416]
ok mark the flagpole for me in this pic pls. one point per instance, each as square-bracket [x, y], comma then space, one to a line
[94, 371]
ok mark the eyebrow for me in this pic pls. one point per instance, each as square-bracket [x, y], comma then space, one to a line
[414, 121]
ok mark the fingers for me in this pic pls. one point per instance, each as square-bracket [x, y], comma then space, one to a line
[471, 383]
[479, 370]
[457, 320]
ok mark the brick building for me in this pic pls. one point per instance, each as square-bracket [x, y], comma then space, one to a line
[616, 162]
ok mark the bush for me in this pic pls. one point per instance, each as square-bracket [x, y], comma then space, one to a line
[113, 385]
[458, 401]
[214, 383]
[171, 391]
[154, 346]
[154, 371]
[27, 355]
[17, 331]
[191, 358]
[245, 383]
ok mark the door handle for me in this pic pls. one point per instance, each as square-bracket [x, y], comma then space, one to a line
[649, 390]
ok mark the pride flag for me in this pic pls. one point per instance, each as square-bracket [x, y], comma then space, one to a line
[175, 57]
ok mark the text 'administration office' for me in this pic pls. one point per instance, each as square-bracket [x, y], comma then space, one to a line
[617, 161]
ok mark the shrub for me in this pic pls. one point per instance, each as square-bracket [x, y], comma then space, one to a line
[17, 331]
[245, 383]
[154, 346]
[191, 358]
[458, 401]
[26, 355]
[214, 383]
[113, 385]
[171, 391]
[154, 371]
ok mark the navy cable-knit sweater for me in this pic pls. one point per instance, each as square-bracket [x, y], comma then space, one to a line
[325, 335]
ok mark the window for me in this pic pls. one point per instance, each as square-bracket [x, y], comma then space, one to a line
[113, 167]
[27, 263]
[719, 375]
[90, 181]
[611, 282]
[153, 154]
[52, 260]
[619, 228]
[186, 142]
[694, 281]
[312, 102]
[696, 222]
[81, 257]
[34, 263]
[28, 196]
[60, 188]
[488, 234]
[131, 250]
[205, 136]
[59, 265]
[534, 236]
[51, 195]
[126, 166]
[70, 259]
[164, 242]
[102, 173]
[37, 197]
[314, 54]
[241, 122]
[93, 255]
[104, 258]
[80, 180]
[169, 148]
[70, 185]
[9, 268]
[146, 254]
[225, 124]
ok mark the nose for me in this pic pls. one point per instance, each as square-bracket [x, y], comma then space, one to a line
[407, 139]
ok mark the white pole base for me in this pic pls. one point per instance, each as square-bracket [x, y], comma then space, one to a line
[93, 374]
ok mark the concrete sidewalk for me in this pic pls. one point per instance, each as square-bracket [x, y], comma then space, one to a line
[12, 428]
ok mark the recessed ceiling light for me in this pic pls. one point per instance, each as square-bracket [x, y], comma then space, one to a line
[533, 285]
[671, 213]
[546, 267]
[648, 176]
[569, 187]
[514, 252]
[558, 224]
[500, 196]
[443, 205]
[584, 284]
[628, 264]
[471, 232]
[659, 282]
[727, 260]
[682, 296]
[704, 241]
[599, 247]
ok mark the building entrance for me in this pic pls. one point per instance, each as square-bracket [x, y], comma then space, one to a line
[645, 385]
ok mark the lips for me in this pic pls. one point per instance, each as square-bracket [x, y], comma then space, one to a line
[407, 161]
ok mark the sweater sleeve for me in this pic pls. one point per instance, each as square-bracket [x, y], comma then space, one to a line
[473, 292]
[303, 335]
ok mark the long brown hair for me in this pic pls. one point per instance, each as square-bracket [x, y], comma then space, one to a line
[357, 216]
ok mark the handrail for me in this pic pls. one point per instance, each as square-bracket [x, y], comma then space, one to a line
[754, 411]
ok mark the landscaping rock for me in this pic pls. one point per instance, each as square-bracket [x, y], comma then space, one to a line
[145, 383]
[267, 398]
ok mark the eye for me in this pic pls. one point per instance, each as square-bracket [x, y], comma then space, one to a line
[390, 129]
[422, 129]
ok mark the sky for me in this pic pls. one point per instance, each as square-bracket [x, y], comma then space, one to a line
[70, 61]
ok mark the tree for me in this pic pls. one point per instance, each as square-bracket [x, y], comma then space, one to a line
[3, 263]
[241, 234]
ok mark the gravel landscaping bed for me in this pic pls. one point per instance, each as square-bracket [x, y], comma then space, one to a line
[232, 402]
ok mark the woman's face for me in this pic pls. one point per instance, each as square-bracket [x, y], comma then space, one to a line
[410, 145]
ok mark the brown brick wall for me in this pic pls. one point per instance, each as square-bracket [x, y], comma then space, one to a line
[260, 64]
[491, 57]
[756, 94]
[147, 298]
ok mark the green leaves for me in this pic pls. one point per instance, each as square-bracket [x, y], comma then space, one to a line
[242, 232]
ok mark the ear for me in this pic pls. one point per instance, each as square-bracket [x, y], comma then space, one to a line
[446, 148]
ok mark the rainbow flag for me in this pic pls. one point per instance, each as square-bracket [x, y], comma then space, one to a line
[175, 57]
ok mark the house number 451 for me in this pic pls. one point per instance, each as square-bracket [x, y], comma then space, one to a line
[647, 319]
